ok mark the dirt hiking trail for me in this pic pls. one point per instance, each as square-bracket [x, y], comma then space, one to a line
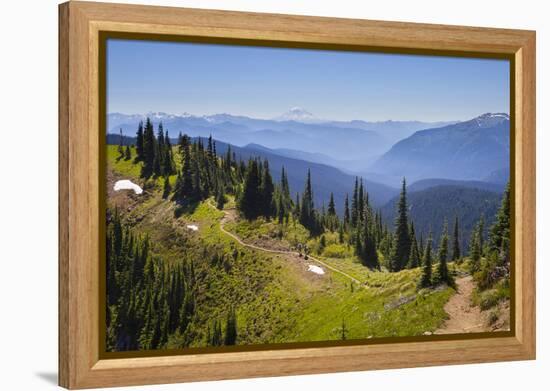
[463, 318]
[230, 215]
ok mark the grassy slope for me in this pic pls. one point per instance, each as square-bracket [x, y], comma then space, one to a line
[279, 301]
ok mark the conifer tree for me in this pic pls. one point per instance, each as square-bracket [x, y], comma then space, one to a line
[456, 242]
[426, 278]
[414, 257]
[231, 328]
[281, 212]
[167, 188]
[442, 275]
[120, 148]
[346, 212]
[266, 190]
[167, 164]
[148, 149]
[220, 198]
[354, 203]
[331, 206]
[250, 202]
[481, 233]
[307, 208]
[499, 236]
[128, 153]
[297, 207]
[475, 246]
[285, 189]
[184, 184]
[368, 251]
[209, 148]
[197, 179]
[139, 142]
[402, 244]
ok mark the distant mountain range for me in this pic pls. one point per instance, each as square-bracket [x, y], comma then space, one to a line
[476, 149]
[458, 169]
[350, 145]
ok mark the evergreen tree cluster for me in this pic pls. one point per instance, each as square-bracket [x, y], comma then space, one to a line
[154, 151]
[257, 196]
[148, 299]
[203, 173]
[490, 259]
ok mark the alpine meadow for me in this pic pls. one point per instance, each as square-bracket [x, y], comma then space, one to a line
[262, 195]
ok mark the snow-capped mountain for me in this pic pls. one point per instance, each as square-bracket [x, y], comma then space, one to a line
[296, 130]
[297, 114]
[491, 119]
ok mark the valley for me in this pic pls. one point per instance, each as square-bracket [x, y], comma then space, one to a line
[209, 268]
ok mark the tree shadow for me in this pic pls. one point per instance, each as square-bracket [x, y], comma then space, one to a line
[187, 207]
[48, 377]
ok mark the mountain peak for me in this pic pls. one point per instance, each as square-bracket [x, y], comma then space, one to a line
[296, 114]
[490, 119]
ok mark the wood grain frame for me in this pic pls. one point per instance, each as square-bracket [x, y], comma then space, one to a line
[80, 24]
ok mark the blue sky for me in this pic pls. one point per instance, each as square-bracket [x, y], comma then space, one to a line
[144, 76]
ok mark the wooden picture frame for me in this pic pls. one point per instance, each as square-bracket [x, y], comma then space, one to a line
[80, 26]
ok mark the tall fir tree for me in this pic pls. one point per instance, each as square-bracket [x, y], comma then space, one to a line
[128, 153]
[120, 147]
[414, 256]
[354, 204]
[307, 208]
[250, 202]
[443, 276]
[266, 190]
[139, 142]
[475, 251]
[149, 147]
[331, 207]
[184, 185]
[368, 253]
[481, 233]
[167, 188]
[456, 242]
[402, 242]
[231, 328]
[346, 212]
[285, 189]
[360, 202]
[426, 278]
[499, 236]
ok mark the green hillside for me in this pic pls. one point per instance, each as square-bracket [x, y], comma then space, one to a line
[215, 252]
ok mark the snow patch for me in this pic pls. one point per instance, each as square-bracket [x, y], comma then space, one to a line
[193, 227]
[315, 269]
[126, 184]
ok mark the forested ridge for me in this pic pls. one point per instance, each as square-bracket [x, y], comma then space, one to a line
[155, 302]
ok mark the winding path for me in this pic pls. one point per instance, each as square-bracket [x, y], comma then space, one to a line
[463, 318]
[230, 215]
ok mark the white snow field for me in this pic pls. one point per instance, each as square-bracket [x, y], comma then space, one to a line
[126, 184]
[315, 269]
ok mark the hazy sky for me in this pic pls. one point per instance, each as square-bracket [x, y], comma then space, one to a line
[144, 76]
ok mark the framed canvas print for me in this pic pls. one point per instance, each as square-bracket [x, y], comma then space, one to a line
[247, 195]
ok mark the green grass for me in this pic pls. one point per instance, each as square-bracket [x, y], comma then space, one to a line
[363, 308]
[490, 298]
[277, 299]
[126, 168]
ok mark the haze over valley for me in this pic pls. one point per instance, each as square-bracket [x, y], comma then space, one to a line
[258, 195]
